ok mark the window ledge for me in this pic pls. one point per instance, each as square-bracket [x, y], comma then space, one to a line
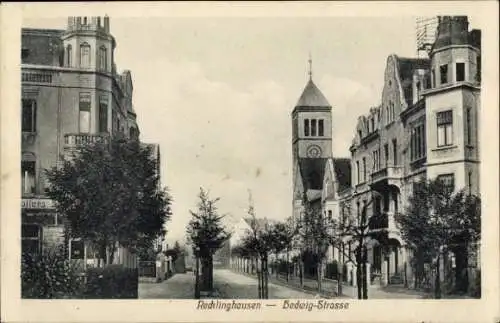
[469, 146]
[445, 148]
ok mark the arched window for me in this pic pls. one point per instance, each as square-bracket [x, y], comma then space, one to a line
[69, 56]
[85, 55]
[103, 58]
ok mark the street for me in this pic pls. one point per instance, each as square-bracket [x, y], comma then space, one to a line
[180, 286]
[230, 285]
[237, 286]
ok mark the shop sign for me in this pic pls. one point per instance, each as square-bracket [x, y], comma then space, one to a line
[44, 204]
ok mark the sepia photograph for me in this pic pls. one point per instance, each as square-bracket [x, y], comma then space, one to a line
[230, 161]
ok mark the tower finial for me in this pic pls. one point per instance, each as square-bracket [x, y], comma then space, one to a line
[310, 66]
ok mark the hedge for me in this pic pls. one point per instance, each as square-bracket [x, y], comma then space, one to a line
[113, 281]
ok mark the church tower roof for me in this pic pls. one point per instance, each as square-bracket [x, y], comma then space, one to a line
[312, 97]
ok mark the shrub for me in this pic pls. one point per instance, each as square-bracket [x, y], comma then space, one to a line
[332, 271]
[50, 275]
[113, 281]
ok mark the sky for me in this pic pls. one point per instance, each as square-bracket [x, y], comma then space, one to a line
[217, 94]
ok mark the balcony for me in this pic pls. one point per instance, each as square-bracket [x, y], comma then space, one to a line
[74, 141]
[382, 222]
[390, 175]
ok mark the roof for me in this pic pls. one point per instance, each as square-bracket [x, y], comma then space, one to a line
[342, 169]
[406, 68]
[312, 97]
[313, 195]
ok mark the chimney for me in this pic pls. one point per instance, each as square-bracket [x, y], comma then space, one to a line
[106, 23]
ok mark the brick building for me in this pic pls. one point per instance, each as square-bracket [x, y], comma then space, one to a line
[71, 95]
[425, 127]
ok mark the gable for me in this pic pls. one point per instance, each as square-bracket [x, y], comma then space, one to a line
[298, 186]
[329, 182]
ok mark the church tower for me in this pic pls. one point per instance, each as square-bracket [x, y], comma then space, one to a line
[311, 141]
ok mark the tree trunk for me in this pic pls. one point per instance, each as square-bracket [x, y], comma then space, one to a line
[301, 273]
[365, 281]
[339, 278]
[197, 279]
[210, 273]
[287, 265]
[259, 281]
[318, 275]
[359, 281]
[437, 283]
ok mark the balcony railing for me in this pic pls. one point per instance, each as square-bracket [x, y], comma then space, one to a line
[74, 140]
[39, 77]
[389, 172]
[384, 220]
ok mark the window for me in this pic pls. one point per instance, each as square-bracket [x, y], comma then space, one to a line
[417, 142]
[469, 126]
[469, 181]
[98, 21]
[84, 55]
[448, 181]
[357, 172]
[478, 68]
[376, 159]
[386, 154]
[84, 20]
[24, 54]
[84, 116]
[373, 124]
[29, 115]
[395, 151]
[433, 72]
[103, 58]
[103, 115]
[321, 128]
[28, 175]
[360, 134]
[330, 215]
[443, 73]
[313, 127]
[364, 169]
[69, 56]
[31, 242]
[460, 72]
[306, 127]
[378, 202]
[77, 249]
[444, 128]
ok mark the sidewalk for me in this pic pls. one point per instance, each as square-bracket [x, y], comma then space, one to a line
[329, 288]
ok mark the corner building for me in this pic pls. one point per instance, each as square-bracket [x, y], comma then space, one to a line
[71, 95]
[425, 127]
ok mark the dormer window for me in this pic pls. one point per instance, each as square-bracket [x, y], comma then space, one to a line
[360, 134]
[460, 72]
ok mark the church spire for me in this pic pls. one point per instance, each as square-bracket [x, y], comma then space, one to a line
[310, 66]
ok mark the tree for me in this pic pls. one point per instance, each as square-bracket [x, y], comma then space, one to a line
[355, 226]
[110, 194]
[257, 243]
[315, 236]
[436, 221]
[206, 233]
[282, 237]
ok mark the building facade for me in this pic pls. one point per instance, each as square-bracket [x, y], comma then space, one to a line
[71, 95]
[425, 127]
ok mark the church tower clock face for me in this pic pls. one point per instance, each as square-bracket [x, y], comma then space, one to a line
[313, 151]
